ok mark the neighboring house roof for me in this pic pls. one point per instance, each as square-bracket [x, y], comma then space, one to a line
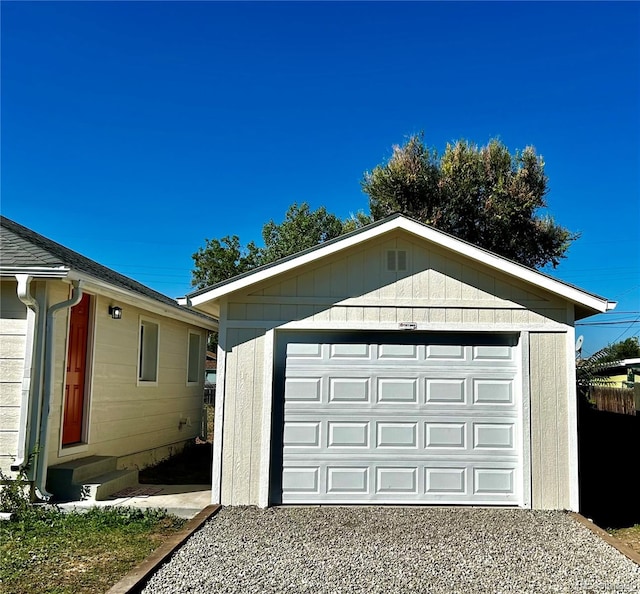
[589, 303]
[23, 251]
[211, 360]
[621, 364]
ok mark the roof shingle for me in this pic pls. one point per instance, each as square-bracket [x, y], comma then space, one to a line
[21, 247]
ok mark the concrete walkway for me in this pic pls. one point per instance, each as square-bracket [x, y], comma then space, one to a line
[184, 501]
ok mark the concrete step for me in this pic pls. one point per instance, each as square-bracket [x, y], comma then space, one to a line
[81, 469]
[101, 487]
[94, 477]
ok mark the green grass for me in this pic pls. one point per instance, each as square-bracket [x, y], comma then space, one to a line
[48, 551]
[629, 536]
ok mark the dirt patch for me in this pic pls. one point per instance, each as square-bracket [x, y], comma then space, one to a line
[191, 467]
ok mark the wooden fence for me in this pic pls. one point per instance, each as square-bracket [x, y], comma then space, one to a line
[210, 394]
[617, 400]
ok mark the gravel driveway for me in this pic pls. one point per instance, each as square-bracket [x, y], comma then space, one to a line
[395, 549]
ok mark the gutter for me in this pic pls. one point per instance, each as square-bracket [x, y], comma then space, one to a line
[36, 271]
[32, 376]
[177, 311]
[49, 371]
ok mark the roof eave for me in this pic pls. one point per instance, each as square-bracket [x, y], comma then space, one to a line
[138, 300]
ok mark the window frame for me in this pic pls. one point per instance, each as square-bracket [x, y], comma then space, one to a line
[142, 322]
[200, 370]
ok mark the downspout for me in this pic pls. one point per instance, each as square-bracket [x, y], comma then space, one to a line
[49, 371]
[32, 376]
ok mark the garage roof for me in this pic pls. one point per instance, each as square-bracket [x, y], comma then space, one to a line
[589, 303]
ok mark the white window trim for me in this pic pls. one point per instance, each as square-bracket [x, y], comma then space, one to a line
[200, 373]
[141, 382]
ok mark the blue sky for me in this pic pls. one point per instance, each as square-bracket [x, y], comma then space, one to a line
[133, 131]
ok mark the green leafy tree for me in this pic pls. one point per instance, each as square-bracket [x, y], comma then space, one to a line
[624, 349]
[484, 195]
[356, 221]
[221, 259]
[301, 228]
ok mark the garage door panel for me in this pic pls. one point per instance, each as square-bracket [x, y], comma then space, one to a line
[494, 481]
[441, 390]
[397, 481]
[445, 435]
[343, 434]
[398, 351]
[401, 423]
[493, 391]
[445, 351]
[440, 481]
[304, 350]
[494, 435]
[348, 480]
[396, 435]
[397, 390]
[306, 434]
[492, 353]
[305, 389]
[405, 388]
[349, 389]
[350, 351]
[402, 482]
[301, 480]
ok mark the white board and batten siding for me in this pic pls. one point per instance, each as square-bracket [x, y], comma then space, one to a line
[440, 293]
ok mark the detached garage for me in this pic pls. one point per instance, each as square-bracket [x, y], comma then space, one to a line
[400, 365]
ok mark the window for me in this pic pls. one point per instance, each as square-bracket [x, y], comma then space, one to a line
[396, 260]
[148, 363]
[193, 362]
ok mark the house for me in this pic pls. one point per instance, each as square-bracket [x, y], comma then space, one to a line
[99, 375]
[396, 365]
[622, 374]
[210, 368]
[210, 371]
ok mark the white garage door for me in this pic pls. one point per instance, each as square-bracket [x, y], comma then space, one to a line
[433, 422]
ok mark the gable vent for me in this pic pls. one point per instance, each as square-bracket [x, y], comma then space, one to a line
[396, 260]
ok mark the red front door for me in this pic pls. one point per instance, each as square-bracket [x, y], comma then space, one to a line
[74, 390]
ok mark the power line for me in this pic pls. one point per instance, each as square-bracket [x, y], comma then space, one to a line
[612, 323]
[627, 330]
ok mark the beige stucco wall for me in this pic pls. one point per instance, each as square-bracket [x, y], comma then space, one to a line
[438, 292]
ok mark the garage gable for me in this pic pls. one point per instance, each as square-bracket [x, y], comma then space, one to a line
[452, 258]
[365, 276]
